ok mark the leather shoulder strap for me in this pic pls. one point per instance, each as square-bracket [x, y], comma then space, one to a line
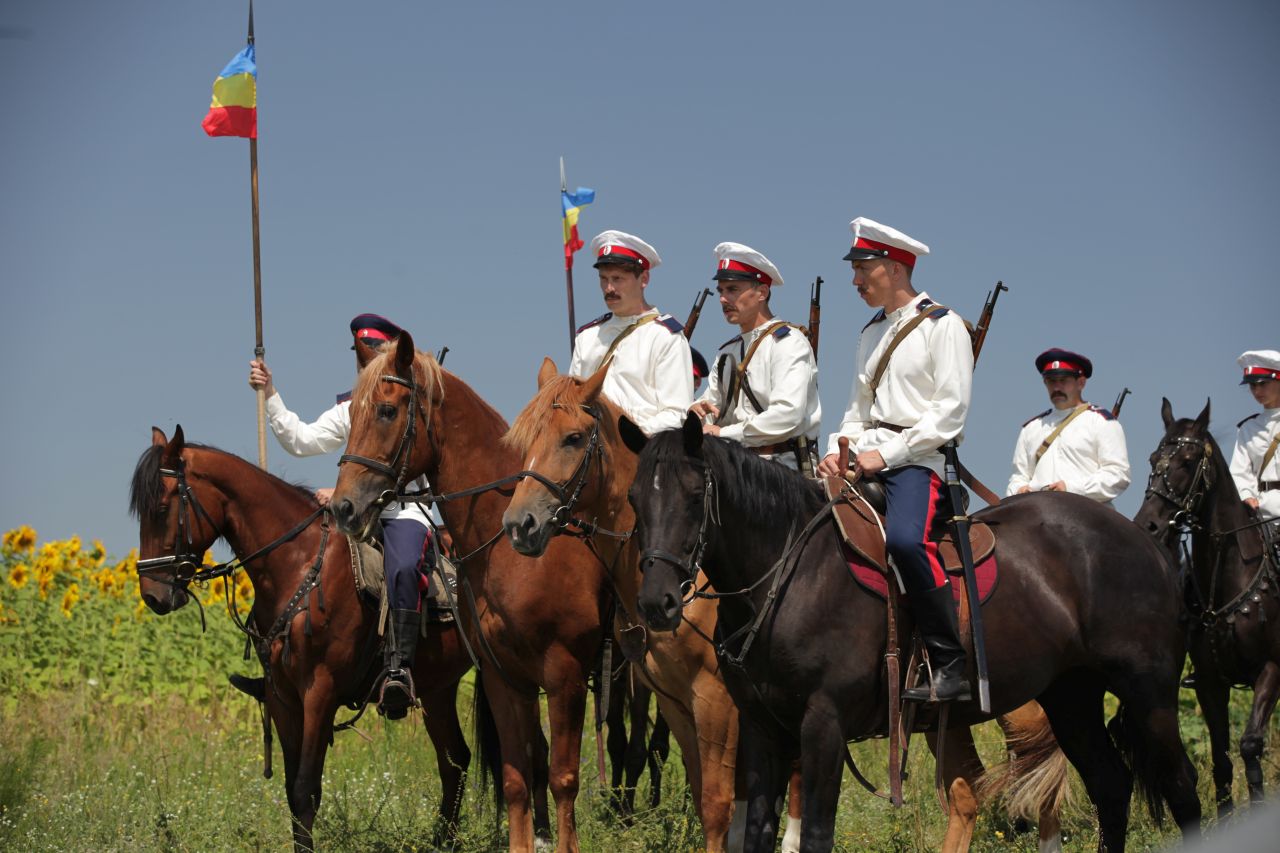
[898, 339]
[1044, 445]
[1268, 456]
[622, 337]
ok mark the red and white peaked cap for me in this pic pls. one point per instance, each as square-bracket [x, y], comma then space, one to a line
[743, 263]
[619, 247]
[1259, 365]
[873, 240]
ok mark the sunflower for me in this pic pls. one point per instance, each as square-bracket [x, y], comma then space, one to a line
[20, 539]
[19, 575]
[69, 599]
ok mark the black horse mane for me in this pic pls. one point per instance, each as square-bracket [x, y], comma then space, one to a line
[145, 489]
[761, 492]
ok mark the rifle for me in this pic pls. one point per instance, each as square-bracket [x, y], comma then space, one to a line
[695, 313]
[815, 314]
[979, 332]
[440, 355]
[1115, 410]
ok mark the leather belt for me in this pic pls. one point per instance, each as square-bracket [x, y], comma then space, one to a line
[1269, 486]
[888, 426]
[769, 449]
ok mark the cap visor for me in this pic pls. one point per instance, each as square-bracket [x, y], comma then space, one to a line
[863, 255]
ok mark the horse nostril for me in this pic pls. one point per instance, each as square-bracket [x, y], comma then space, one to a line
[670, 605]
[344, 509]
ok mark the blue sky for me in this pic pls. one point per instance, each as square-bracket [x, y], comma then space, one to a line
[1113, 163]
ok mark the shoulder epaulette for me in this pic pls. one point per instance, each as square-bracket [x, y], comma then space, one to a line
[732, 340]
[931, 309]
[596, 322]
[1034, 417]
[1106, 413]
[782, 331]
[876, 319]
[1246, 420]
[344, 396]
[670, 323]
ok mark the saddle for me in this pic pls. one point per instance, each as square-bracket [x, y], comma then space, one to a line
[862, 540]
[367, 570]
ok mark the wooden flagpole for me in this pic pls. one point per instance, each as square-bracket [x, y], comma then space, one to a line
[568, 268]
[258, 351]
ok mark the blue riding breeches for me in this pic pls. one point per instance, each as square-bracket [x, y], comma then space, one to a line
[913, 496]
[405, 545]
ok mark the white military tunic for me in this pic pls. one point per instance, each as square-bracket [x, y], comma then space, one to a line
[328, 433]
[926, 388]
[651, 374]
[783, 375]
[1252, 440]
[1089, 456]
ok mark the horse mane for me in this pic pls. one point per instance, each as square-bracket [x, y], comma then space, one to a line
[427, 373]
[760, 491]
[146, 488]
[561, 390]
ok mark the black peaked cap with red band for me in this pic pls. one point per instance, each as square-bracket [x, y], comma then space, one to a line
[1062, 362]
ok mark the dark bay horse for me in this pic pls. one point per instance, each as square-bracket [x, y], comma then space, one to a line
[186, 497]
[536, 622]
[1086, 604]
[1232, 589]
[568, 433]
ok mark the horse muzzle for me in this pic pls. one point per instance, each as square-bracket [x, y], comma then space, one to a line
[529, 535]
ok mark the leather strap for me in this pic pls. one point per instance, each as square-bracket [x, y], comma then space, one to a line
[1266, 460]
[1044, 445]
[740, 370]
[883, 364]
[608, 354]
[1268, 485]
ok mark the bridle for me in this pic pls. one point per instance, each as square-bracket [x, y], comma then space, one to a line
[184, 565]
[398, 468]
[690, 567]
[563, 515]
[1185, 518]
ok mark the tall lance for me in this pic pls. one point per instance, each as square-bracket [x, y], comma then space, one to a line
[258, 351]
[568, 274]
[960, 521]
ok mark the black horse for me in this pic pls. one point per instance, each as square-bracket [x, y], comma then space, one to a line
[1085, 604]
[1232, 588]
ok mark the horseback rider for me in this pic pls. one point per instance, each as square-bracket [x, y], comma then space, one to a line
[405, 527]
[763, 392]
[1255, 462]
[1073, 446]
[910, 396]
[651, 370]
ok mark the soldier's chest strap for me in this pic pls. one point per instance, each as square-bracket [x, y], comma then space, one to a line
[741, 368]
[883, 364]
[1051, 437]
[608, 354]
[1268, 456]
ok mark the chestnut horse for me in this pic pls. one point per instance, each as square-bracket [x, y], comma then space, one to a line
[1086, 604]
[1232, 588]
[536, 622]
[568, 433]
[186, 497]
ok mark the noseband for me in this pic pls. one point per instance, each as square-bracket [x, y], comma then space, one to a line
[1185, 516]
[183, 566]
[398, 469]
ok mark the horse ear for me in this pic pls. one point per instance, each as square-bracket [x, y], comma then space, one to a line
[1202, 419]
[174, 449]
[591, 388]
[692, 431]
[158, 437]
[1166, 412]
[547, 372]
[632, 436]
[404, 351]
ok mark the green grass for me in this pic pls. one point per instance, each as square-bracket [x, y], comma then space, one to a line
[180, 775]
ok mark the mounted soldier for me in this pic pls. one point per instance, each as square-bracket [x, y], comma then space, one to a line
[1072, 446]
[763, 391]
[1255, 463]
[910, 396]
[405, 527]
[651, 370]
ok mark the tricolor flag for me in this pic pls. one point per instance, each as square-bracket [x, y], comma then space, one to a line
[234, 110]
[570, 204]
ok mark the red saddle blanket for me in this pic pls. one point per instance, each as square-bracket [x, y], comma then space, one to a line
[874, 581]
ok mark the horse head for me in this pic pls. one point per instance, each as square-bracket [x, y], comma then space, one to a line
[391, 439]
[565, 436]
[674, 500]
[175, 526]
[1183, 475]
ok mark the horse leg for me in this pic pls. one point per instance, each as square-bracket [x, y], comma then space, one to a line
[715, 720]
[795, 811]
[658, 753]
[566, 708]
[516, 718]
[637, 741]
[960, 765]
[617, 743]
[1265, 691]
[1073, 703]
[822, 750]
[453, 757]
[764, 773]
[541, 780]
[305, 730]
[1213, 697]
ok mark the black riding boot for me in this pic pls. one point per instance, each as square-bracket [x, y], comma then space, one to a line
[397, 695]
[935, 613]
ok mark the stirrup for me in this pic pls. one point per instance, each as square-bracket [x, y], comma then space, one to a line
[401, 681]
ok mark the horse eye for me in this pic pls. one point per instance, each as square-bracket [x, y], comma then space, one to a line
[572, 439]
[386, 411]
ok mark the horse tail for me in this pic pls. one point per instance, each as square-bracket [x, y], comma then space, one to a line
[487, 744]
[1033, 779]
[1145, 765]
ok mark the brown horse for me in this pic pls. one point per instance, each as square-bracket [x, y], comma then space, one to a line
[320, 639]
[537, 623]
[1086, 604]
[1232, 588]
[568, 433]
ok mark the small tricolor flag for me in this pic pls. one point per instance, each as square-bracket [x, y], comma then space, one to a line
[234, 110]
[570, 204]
